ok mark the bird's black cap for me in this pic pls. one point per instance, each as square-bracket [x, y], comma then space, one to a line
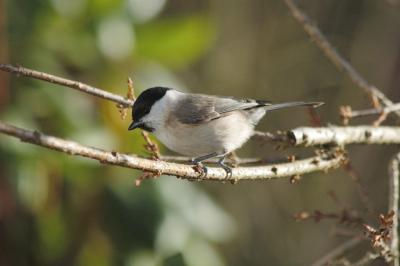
[143, 104]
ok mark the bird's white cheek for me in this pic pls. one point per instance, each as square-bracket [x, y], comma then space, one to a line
[158, 114]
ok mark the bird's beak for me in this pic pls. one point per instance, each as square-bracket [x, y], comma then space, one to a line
[135, 125]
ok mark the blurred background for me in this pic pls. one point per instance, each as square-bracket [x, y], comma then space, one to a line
[56, 209]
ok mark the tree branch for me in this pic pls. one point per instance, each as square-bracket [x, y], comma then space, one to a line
[374, 111]
[317, 163]
[19, 70]
[394, 172]
[309, 136]
[333, 55]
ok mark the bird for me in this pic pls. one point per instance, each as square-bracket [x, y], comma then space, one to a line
[201, 126]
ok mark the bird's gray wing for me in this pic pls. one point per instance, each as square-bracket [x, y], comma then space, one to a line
[198, 108]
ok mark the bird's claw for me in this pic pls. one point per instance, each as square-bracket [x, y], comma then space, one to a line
[200, 168]
[227, 169]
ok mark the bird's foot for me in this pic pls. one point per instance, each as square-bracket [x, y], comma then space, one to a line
[227, 169]
[200, 168]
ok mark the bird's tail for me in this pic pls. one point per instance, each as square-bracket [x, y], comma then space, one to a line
[278, 106]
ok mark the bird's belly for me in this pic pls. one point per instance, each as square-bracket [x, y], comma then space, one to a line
[221, 135]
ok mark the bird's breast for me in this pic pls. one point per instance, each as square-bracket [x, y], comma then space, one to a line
[221, 135]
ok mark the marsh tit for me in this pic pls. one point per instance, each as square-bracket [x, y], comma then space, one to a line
[201, 126]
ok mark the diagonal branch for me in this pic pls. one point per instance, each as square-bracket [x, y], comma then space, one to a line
[67, 83]
[338, 251]
[313, 164]
[336, 58]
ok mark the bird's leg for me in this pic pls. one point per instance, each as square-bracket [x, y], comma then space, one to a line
[227, 169]
[198, 162]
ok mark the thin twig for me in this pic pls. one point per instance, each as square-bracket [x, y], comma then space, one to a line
[374, 111]
[394, 172]
[338, 251]
[130, 95]
[317, 163]
[361, 189]
[151, 146]
[366, 259]
[381, 237]
[330, 51]
[67, 83]
[346, 113]
[347, 217]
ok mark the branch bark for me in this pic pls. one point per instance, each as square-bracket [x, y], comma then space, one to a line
[308, 136]
[317, 163]
[375, 111]
[19, 70]
[394, 172]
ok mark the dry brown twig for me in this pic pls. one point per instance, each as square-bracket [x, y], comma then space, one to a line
[151, 146]
[345, 217]
[381, 237]
[130, 95]
[146, 175]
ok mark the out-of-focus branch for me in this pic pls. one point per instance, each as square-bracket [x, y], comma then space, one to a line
[373, 111]
[394, 172]
[317, 163]
[270, 137]
[346, 113]
[67, 83]
[309, 136]
[365, 260]
[330, 51]
[4, 53]
[338, 251]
